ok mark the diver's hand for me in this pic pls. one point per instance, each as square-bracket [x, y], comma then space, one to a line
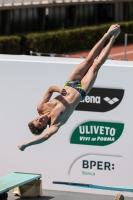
[63, 92]
[22, 147]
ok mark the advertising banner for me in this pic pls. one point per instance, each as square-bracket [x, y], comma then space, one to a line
[93, 147]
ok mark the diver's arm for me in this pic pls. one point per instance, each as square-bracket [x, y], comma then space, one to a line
[52, 130]
[48, 95]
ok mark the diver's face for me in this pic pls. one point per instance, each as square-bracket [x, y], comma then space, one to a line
[41, 121]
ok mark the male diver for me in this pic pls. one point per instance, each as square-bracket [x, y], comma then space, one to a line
[56, 112]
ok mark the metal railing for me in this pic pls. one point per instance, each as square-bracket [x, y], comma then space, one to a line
[52, 54]
[125, 45]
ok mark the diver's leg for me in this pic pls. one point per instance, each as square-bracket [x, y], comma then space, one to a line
[81, 69]
[90, 77]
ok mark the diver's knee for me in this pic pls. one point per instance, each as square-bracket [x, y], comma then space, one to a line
[96, 66]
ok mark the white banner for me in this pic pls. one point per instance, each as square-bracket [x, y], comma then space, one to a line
[93, 147]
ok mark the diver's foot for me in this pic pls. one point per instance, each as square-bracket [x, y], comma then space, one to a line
[113, 30]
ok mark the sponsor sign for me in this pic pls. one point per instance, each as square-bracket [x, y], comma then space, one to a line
[101, 100]
[92, 166]
[97, 133]
[99, 165]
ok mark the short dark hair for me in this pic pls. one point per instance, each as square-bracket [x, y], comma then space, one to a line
[35, 130]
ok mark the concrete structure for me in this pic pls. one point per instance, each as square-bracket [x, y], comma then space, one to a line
[95, 145]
